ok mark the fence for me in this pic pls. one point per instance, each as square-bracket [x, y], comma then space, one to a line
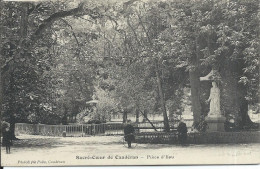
[74, 130]
[77, 130]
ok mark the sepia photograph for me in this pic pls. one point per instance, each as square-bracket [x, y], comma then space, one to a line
[129, 82]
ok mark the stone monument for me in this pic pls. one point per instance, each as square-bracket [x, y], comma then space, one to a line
[214, 119]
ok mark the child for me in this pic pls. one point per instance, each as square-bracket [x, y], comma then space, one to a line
[7, 142]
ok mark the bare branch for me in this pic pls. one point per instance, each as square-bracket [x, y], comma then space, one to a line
[73, 33]
[85, 19]
[47, 22]
[144, 29]
[135, 35]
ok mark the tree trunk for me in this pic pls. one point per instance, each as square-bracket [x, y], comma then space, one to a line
[23, 34]
[162, 101]
[243, 107]
[194, 74]
[12, 106]
[245, 119]
[64, 118]
[12, 127]
[145, 116]
[124, 116]
[233, 97]
[24, 21]
[137, 114]
[195, 95]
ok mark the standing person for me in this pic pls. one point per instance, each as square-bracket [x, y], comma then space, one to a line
[7, 141]
[182, 133]
[129, 133]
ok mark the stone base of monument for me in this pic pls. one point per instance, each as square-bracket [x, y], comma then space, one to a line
[215, 123]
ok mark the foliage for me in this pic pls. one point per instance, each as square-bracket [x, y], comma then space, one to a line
[106, 105]
[4, 125]
[131, 55]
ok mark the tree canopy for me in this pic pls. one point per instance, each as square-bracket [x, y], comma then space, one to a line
[132, 56]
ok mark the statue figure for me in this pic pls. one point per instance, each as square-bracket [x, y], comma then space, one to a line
[214, 99]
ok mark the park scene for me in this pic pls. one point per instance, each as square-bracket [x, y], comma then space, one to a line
[129, 82]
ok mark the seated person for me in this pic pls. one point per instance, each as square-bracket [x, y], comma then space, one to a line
[182, 132]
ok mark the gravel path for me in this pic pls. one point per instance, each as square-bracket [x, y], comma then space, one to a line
[109, 150]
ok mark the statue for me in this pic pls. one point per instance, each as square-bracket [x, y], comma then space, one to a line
[215, 120]
[214, 99]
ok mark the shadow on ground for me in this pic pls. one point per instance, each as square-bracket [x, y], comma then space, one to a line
[52, 142]
[36, 143]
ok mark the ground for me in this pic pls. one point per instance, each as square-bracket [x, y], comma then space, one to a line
[108, 150]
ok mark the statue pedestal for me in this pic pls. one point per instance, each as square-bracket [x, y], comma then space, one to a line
[215, 123]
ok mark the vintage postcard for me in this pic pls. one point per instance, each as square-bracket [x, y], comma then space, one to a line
[129, 82]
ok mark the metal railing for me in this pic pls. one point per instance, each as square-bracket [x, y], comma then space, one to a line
[74, 130]
[82, 130]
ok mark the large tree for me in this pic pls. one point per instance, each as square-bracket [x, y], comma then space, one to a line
[28, 36]
[220, 35]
